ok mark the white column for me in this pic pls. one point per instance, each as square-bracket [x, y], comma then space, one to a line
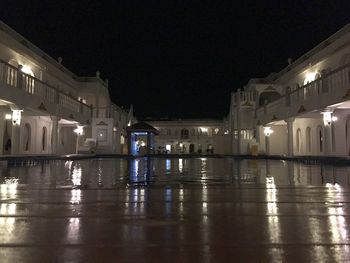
[54, 135]
[290, 122]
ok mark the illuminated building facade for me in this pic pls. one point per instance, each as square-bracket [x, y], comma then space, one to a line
[302, 110]
[47, 109]
[191, 136]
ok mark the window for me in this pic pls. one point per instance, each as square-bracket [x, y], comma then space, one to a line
[184, 134]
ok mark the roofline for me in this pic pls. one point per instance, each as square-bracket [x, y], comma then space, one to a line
[29, 45]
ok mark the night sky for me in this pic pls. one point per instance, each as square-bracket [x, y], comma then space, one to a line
[177, 59]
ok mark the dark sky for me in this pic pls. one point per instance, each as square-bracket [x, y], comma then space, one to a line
[175, 58]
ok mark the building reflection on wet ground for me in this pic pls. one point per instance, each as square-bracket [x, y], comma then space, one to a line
[174, 210]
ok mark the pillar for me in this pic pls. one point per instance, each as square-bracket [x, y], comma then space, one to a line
[290, 136]
[54, 135]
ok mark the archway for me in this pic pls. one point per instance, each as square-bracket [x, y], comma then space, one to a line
[27, 135]
[268, 96]
[44, 139]
[320, 138]
[298, 140]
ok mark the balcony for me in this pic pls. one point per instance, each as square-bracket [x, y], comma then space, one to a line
[321, 93]
[33, 94]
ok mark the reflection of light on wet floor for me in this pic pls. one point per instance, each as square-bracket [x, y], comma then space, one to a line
[73, 229]
[338, 226]
[9, 188]
[168, 164]
[75, 196]
[7, 222]
[76, 175]
[180, 165]
[272, 211]
[204, 168]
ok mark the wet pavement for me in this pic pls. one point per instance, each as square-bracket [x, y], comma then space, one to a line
[174, 210]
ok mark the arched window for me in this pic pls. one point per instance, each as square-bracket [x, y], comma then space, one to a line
[308, 139]
[298, 140]
[320, 138]
[184, 134]
[268, 96]
[193, 132]
[44, 139]
[26, 137]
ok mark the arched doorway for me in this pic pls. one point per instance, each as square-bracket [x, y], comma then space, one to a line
[320, 138]
[27, 137]
[298, 140]
[268, 96]
[6, 141]
[44, 139]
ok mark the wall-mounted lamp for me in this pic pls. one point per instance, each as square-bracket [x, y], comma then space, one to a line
[16, 117]
[268, 131]
[79, 130]
[8, 117]
[327, 118]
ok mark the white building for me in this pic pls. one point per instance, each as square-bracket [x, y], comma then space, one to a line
[42, 103]
[302, 110]
[191, 136]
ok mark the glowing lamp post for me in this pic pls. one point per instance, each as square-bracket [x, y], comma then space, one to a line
[267, 131]
[79, 131]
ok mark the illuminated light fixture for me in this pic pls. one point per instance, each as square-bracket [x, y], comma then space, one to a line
[79, 130]
[143, 144]
[327, 117]
[129, 123]
[27, 70]
[226, 132]
[268, 131]
[334, 118]
[114, 129]
[181, 144]
[310, 77]
[204, 129]
[16, 117]
[8, 116]
[101, 134]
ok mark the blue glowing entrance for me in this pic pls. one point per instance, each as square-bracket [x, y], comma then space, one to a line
[141, 139]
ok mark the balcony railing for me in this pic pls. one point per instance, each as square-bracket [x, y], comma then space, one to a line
[15, 78]
[334, 83]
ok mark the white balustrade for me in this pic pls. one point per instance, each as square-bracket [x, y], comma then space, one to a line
[9, 75]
